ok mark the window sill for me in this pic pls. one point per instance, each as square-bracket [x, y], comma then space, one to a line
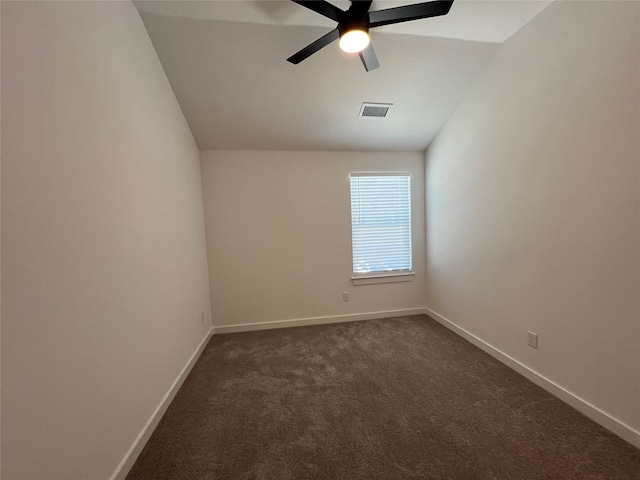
[383, 278]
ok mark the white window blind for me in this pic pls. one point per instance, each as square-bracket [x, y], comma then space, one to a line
[381, 222]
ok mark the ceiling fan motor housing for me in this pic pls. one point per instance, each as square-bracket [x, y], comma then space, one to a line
[354, 23]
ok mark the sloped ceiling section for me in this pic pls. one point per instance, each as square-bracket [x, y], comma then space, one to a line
[237, 90]
[477, 20]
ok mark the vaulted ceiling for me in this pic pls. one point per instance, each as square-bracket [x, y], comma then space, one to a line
[226, 61]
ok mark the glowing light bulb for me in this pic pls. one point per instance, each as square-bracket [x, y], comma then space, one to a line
[354, 41]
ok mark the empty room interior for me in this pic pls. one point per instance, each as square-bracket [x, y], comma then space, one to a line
[259, 239]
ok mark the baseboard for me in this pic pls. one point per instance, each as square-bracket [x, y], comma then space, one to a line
[300, 322]
[594, 413]
[144, 435]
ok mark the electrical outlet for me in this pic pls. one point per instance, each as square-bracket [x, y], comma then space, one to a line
[202, 317]
[345, 296]
[533, 339]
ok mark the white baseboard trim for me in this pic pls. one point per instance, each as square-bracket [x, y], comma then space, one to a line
[129, 459]
[300, 322]
[612, 424]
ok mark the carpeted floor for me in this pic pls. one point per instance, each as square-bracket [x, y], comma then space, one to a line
[399, 398]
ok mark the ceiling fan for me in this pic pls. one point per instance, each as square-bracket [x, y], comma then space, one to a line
[354, 24]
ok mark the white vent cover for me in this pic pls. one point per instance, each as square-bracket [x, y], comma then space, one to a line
[374, 110]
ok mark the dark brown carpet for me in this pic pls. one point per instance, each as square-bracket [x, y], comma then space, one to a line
[399, 398]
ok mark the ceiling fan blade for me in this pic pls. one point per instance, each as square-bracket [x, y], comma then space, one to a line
[409, 12]
[369, 59]
[323, 8]
[360, 7]
[314, 47]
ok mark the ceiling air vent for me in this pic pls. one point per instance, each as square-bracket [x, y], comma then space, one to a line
[374, 110]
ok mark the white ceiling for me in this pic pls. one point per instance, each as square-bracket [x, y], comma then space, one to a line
[226, 61]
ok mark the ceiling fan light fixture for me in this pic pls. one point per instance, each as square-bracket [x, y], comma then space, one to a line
[355, 22]
[354, 41]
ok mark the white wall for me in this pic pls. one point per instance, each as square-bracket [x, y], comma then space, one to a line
[103, 256]
[533, 200]
[278, 228]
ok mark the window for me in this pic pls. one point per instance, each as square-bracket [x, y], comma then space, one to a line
[381, 227]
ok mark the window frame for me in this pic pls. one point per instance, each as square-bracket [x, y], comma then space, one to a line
[389, 276]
